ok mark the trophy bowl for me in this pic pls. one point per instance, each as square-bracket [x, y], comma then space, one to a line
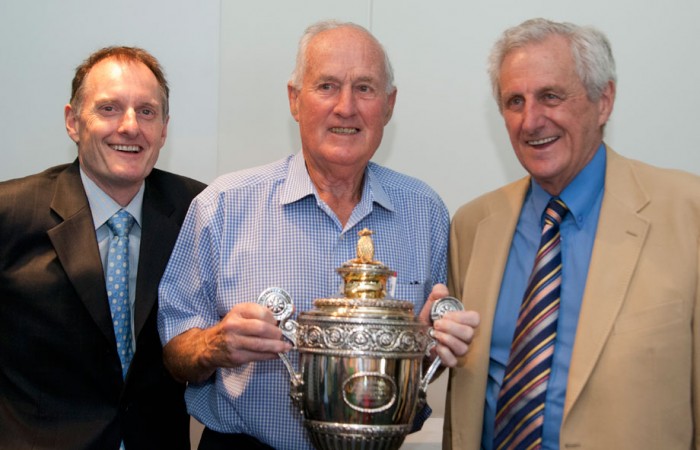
[361, 358]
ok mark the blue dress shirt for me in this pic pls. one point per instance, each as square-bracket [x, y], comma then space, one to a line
[102, 207]
[583, 196]
[267, 227]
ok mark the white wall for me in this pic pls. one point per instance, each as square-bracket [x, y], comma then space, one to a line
[228, 63]
[446, 128]
[41, 43]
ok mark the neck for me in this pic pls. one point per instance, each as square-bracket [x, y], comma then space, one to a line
[340, 193]
[121, 195]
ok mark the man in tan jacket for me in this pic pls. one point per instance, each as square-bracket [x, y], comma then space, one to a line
[621, 367]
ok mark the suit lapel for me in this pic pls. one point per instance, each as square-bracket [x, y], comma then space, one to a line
[619, 240]
[158, 234]
[491, 248]
[481, 286]
[75, 243]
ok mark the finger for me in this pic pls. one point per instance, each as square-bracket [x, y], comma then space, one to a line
[243, 349]
[244, 357]
[439, 291]
[447, 358]
[251, 320]
[454, 333]
[452, 343]
[252, 311]
[469, 318]
[459, 326]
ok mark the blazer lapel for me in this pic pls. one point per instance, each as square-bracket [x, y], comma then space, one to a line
[485, 264]
[619, 239]
[158, 234]
[75, 243]
[491, 248]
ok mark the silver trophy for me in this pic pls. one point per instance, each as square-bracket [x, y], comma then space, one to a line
[361, 358]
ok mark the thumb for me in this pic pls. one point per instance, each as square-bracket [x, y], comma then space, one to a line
[439, 291]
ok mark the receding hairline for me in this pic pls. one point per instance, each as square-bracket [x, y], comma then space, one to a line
[317, 29]
[122, 55]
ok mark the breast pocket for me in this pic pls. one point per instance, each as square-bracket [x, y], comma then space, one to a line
[652, 319]
[413, 292]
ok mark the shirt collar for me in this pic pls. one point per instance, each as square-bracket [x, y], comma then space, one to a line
[379, 195]
[298, 185]
[103, 206]
[580, 195]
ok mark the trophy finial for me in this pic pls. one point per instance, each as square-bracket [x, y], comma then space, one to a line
[365, 247]
[364, 277]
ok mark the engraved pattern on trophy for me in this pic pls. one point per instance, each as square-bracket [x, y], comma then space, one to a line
[370, 340]
[369, 392]
[360, 383]
[445, 305]
[280, 304]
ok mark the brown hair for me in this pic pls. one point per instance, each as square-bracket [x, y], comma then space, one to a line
[125, 54]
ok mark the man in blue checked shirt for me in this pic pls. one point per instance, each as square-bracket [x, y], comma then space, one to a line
[289, 224]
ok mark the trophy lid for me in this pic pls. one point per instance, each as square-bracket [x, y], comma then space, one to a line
[363, 276]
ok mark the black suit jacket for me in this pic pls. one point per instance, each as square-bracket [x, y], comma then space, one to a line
[60, 377]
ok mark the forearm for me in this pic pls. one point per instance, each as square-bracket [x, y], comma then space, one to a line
[186, 356]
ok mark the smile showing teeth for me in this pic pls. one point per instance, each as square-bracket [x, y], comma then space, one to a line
[543, 141]
[126, 148]
[340, 130]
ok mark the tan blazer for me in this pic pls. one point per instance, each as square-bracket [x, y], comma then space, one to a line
[635, 375]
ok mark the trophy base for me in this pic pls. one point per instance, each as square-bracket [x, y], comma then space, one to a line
[341, 436]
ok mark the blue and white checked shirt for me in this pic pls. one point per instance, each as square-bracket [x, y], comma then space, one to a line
[266, 227]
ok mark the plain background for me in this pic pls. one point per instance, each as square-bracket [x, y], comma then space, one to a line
[228, 63]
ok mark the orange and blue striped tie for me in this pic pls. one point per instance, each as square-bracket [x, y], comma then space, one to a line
[520, 407]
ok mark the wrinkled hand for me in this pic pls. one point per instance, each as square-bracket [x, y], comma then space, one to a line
[247, 333]
[453, 332]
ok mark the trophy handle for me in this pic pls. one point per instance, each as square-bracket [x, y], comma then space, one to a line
[280, 304]
[439, 309]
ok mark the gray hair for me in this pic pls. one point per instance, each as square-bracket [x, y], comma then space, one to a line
[297, 77]
[590, 49]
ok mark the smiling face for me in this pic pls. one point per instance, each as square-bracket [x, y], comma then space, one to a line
[119, 126]
[555, 129]
[342, 105]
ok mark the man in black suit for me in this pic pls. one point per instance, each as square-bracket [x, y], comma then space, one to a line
[63, 384]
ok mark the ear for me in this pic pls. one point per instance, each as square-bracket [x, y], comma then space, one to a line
[605, 103]
[164, 133]
[72, 123]
[391, 101]
[293, 95]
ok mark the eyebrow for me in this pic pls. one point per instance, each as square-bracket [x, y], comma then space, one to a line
[109, 99]
[325, 79]
[548, 88]
[331, 78]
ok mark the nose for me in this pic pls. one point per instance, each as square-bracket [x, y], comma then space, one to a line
[533, 116]
[345, 106]
[129, 125]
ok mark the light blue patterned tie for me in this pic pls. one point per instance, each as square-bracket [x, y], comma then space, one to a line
[118, 284]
